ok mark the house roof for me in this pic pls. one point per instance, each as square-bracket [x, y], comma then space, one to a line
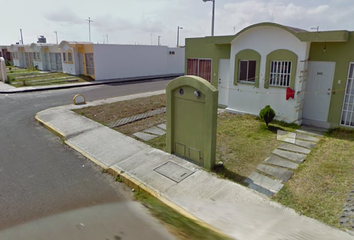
[43, 44]
[304, 35]
[72, 43]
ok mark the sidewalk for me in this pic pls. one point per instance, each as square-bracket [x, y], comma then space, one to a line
[7, 89]
[222, 205]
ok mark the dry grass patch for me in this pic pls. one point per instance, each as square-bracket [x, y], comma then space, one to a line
[32, 77]
[108, 113]
[320, 186]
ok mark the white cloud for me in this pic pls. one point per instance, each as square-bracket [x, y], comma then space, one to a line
[134, 21]
[63, 15]
[301, 14]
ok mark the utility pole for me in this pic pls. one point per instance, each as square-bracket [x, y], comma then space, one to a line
[56, 35]
[151, 38]
[317, 28]
[21, 36]
[158, 40]
[213, 16]
[107, 38]
[89, 21]
[178, 28]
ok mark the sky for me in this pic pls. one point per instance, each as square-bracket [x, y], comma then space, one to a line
[142, 21]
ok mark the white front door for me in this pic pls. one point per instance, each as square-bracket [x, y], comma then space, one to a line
[224, 75]
[318, 91]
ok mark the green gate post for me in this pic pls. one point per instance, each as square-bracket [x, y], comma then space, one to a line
[192, 104]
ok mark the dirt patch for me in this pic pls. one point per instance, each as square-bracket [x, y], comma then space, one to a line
[108, 113]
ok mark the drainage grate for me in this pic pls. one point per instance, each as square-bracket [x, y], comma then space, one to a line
[173, 171]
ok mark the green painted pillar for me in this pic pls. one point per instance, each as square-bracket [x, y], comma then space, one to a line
[192, 104]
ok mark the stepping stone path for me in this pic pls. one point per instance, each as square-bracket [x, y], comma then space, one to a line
[346, 219]
[138, 117]
[278, 167]
[152, 132]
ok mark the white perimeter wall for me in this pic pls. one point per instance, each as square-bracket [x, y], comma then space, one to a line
[123, 61]
[249, 99]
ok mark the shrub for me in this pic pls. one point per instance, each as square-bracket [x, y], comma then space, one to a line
[8, 63]
[10, 78]
[267, 114]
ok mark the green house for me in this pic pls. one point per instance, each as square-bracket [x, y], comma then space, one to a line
[306, 77]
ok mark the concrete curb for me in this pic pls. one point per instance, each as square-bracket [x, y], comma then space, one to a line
[128, 180]
[138, 186]
[89, 84]
[49, 127]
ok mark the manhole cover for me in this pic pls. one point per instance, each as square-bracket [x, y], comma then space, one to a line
[173, 171]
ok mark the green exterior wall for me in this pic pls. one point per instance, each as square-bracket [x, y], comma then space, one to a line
[191, 121]
[209, 48]
[247, 54]
[338, 45]
[342, 54]
[281, 55]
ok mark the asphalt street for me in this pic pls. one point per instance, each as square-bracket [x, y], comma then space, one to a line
[41, 178]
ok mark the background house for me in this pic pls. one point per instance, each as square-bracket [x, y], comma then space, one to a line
[17, 52]
[100, 61]
[5, 53]
[47, 57]
[255, 67]
[113, 61]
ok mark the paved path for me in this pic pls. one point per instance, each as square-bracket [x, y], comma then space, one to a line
[277, 169]
[221, 204]
[346, 219]
[138, 117]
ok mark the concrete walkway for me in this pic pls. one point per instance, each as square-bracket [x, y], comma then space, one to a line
[220, 204]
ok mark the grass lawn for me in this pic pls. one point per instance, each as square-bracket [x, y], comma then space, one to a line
[235, 133]
[183, 228]
[31, 77]
[318, 188]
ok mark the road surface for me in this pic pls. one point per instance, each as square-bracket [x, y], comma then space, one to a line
[48, 191]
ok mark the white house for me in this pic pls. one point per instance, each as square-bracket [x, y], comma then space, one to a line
[112, 61]
[306, 77]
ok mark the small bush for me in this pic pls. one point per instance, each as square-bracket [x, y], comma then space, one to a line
[8, 63]
[10, 78]
[267, 114]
